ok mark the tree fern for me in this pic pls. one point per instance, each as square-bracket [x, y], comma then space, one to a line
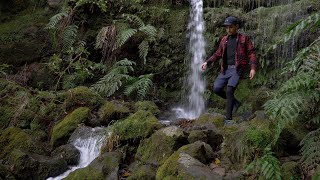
[310, 150]
[267, 167]
[141, 86]
[143, 50]
[69, 37]
[112, 81]
[124, 36]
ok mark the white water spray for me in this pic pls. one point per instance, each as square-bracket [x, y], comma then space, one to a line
[196, 48]
[89, 147]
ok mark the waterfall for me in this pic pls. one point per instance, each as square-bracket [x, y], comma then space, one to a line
[89, 145]
[196, 84]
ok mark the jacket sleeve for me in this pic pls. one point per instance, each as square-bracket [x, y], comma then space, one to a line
[251, 53]
[217, 55]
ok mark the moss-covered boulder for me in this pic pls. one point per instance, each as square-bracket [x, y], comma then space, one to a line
[188, 162]
[16, 138]
[156, 149]
[147, 106]
[205, 120]
[113, 110]
[290, 170]
[139, 125]
[62, 131]
[105, 166]
[68, 152]
[82, 96]
[142, 172]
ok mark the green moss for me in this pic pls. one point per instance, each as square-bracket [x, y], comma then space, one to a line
[139, 125]
[156, 149]
[15, 138]
[63, 129]
[87, 173]
[143, 172]
[217, 120]
[82, 96]
[147, 106]
[6, 113]
[290, 171]
[113, 110]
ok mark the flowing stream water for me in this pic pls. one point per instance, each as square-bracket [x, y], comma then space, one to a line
[195, 104]
[89, 145]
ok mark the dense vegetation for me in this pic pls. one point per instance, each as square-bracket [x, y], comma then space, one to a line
[62, 64]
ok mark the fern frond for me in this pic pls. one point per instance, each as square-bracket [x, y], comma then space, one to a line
[54, 20]
[123, 37]
[143, 50]
[310, 150]
[101, 37]
[149, 30]
[302, 81]
[135, 19]
[69, 37]
[142, 86]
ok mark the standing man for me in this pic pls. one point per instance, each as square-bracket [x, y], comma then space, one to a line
[237, 53]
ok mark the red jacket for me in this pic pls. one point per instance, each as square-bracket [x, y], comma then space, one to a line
[244, 53]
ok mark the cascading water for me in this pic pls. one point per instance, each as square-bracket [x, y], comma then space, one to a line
[89, 145]
[196, 104]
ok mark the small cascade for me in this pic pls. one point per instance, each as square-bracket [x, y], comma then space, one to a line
[89, 145]
[196, 84]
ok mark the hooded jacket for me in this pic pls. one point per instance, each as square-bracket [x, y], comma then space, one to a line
[244, 53]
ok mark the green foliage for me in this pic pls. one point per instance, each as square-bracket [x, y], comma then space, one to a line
[142, 86]
[4, 68]
[102, 4]
[113, 80]
[69, 37]
[55, 20]
[267, 167]
[124, 36]
[310, 150]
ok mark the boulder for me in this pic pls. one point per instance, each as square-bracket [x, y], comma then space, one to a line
[188, 162]
[156, 149]
[62, 131]
[67, 152]
[142, 172]
[147, 106]
[113, 110]
[105, 166]
[137, 126]
[207, 120]
[211, 137]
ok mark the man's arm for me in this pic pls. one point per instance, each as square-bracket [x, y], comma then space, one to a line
[252, 57]
[214, 57]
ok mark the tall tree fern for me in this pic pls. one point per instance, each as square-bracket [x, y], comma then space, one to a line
[113, 80]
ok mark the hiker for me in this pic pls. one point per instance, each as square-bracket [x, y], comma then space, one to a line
[237, 53]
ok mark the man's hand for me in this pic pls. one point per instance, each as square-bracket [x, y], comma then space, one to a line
[204, 66]
[252, 73]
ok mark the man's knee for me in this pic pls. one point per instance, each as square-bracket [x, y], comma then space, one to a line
[217, 90]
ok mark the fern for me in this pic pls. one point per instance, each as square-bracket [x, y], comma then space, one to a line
[69, 37]
[112, 81]
[105, 40]
[102, 4]
[143, 50]
[135, 19]
[311, 150]
[141, 86]
[124, 36]
[54, 20]
[267, 167]
[149, 30]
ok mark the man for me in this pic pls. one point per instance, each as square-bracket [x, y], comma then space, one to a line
[237, 53]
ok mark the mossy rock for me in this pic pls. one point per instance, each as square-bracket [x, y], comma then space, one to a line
[82, 96]
[147, 106]
[16, 138]
[5, 174]
[113, 110]
[214, 118]
[139, 125]
[88, 173]
[290, 171]
[143, 172]
[62, 131]
[174, 167]
[156, 149]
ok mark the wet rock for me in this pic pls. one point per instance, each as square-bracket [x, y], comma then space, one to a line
[188, 161]
[113, 110]
[156, 149]
[235, 175]
[67, 152]
[62, 131]
[142, 172]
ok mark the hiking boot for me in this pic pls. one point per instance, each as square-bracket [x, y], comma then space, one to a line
[229, 122]
[236, 106]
